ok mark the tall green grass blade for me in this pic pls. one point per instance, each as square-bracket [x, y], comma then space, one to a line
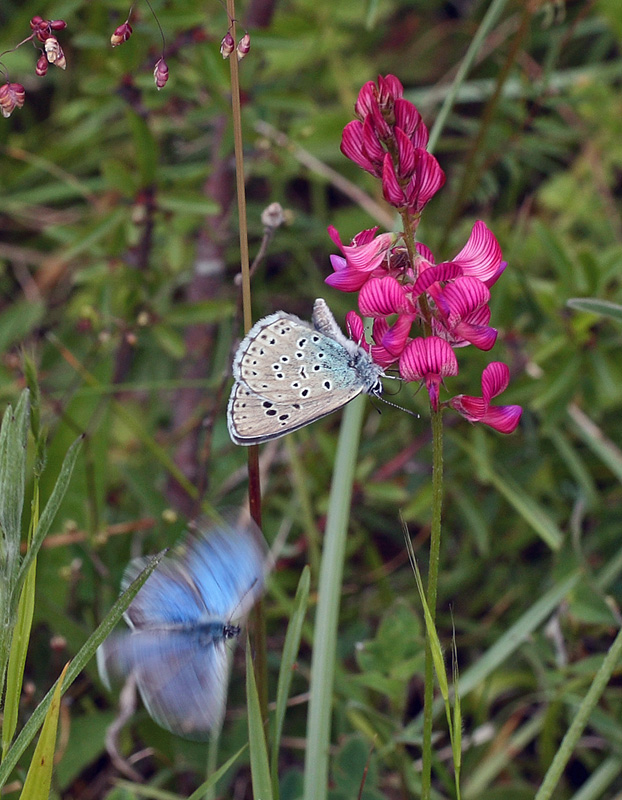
[288, 658]
[604, 308]
[260, 768]
[329, 596]
[592, 435]
[580, 720]
[39, 778]
[19, 642]
[84, 655]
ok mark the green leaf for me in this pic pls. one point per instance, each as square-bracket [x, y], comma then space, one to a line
[595, 306]
[17, 322]
[145, 148]
[13, 439]
[260, 769]
[84, 655]
[39, 778]
[288, 658]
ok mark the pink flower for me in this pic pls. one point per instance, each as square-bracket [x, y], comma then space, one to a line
[495, 379]
[360, 259]
[429, 360]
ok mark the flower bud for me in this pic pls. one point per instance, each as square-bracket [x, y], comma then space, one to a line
[121, 34]
[227, 45]
[54, 52]
[244, 45]
[35, 22]
[12, 96]
[42, 66]
[160, 74]
[58, 24]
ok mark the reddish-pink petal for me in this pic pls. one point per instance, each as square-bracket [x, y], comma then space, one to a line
[425, 252]
[389, 89]
[364, 237]
[391, 188]
[371, 255]
[405, 155]
[396, 337]
[334, 235]
[372, 147]
[428, 179]
[381, 356]
[347, 280]
[434, 274]
[380, 297]
[495, 379]
[471, 408]
[463, 296]
[480, 336]
[408, 119]
[356, 329]
[429, 356]
[481, 255]
[504, 419]
[365, 100]
[352, 145]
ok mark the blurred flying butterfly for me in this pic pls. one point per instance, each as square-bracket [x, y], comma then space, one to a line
[289, 373]
[180, 621]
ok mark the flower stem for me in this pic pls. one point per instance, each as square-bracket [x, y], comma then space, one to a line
[254, 488]
[435, 546]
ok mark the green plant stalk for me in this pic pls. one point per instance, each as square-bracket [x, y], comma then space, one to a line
[254, 486]
[580, 720]
[435, 549]
[329, 596]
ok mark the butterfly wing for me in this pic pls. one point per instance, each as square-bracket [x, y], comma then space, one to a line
[181, 675]
[287, 375]
[227, 567]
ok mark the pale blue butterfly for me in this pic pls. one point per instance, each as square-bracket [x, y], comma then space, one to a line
[289, 373]
[181, 619]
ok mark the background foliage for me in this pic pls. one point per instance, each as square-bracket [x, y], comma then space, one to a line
[118, 254]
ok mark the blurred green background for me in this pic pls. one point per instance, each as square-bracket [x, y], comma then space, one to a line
[118, 252]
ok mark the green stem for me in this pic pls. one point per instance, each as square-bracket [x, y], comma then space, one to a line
[435, 547]
[329, 595]
[254, 488]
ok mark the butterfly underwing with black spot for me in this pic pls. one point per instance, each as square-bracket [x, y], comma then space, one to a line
[288, 373]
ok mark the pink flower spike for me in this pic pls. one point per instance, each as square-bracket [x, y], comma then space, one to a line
[389, 90]
[381, 297]
[391, 189]
[481, 255]
[430, 360]
[495, 379]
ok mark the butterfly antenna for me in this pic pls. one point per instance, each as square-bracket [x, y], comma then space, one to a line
[401, 408]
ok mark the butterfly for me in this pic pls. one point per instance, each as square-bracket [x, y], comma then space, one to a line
[180, 622]
[289, 373]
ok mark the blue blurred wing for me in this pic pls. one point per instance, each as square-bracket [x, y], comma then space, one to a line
[168, 597]
[181, 675]
[227, 567]
[218, 573]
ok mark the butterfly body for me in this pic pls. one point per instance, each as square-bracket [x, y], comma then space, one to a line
[180, 621]
[289, 373]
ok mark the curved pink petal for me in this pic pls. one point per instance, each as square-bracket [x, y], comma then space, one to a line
[471, 408]
[481, 255]
[372, 147]
[504, 419]
[428, 179]
[381, 356]
[356, 329]
[480, 336]
[492, 280]
[464, 296]
[380, 297]
[365, 99]
[396, 337]
[389, 89]
[347, 280]
[425, 252]
[433, 274]
[334, 235]
[364, 237]
[408, 119]
[429, 356]
[380, 327]
[405, 155]
[391, 189]
[352, 146]
[368, 256]
[495, 379]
